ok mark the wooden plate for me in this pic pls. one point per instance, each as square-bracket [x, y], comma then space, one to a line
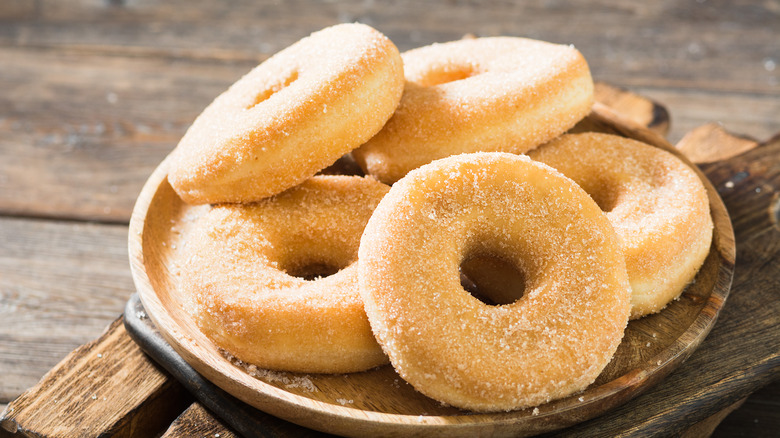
[378, 402]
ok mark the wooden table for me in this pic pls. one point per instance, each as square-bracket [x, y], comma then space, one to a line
[93, 94]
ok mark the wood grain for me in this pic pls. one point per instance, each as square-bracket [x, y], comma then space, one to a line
[110, 87]
[198, 421]
[132, 112]
[105, 387]
[614, 36]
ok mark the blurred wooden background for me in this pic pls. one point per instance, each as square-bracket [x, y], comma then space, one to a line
[94, 93]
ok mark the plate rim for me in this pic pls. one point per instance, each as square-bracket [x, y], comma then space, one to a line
[319, 414]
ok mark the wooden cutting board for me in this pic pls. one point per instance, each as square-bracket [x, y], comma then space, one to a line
[740, 355]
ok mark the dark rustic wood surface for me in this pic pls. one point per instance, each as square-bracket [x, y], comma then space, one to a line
[95, 93]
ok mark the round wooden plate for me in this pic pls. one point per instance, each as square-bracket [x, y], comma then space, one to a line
[378, 402]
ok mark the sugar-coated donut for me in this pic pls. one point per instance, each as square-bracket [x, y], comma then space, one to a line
[240, 275]
[293, 115]
[656, 203]
[552, 341]
[487, 94]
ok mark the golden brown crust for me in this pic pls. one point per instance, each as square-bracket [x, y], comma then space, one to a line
[656, 203]
[550, 343]
[248, 304]
[290, 117]
[486, 94]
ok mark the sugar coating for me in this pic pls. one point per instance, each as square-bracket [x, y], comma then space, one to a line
[486, 94]
[550, 343]
[291, 116]
[244, 299]
[655, 202]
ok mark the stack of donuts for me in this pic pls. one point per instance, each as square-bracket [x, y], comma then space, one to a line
[464, 159]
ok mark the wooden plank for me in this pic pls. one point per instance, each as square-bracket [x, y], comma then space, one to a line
[137, 79]
[105, 387]
[108, 121]
[688, 38]
[198, 421]
[61, 283]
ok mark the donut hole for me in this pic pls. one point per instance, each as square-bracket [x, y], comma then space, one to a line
[266, 93]
[604, 193]
[312, 270]
[445, 74]
[311, 260]
[492, 279]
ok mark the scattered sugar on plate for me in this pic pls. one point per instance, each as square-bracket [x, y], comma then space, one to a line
[289, 381]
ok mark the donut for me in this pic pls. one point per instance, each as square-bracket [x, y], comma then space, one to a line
[655, 202]
[500, 94]
[552, 341]
[290, 117]
[258, 278]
